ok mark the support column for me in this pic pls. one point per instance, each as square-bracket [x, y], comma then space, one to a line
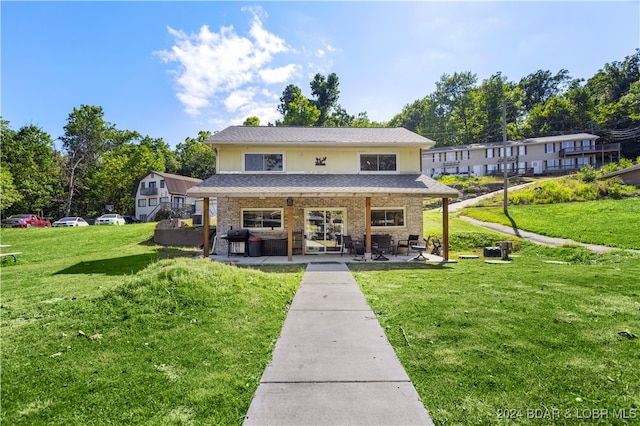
[289, 233]
[445, 228]
[205, 226]
[367, 209]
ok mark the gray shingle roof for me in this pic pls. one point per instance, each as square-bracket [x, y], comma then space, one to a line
[176, 184]
[318, 135]
[309, 185]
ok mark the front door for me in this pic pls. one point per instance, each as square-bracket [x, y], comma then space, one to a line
[324, 229]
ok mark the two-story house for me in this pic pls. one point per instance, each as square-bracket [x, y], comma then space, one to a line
[535, 156]
[320, 182]
[157, 191]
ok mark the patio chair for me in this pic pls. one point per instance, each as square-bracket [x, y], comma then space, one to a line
[381, 245]
[413, 240]
[347, 244]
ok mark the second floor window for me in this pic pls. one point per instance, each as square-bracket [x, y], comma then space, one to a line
[162, 183]
[263, 162]
[378, 163]
[549, 148]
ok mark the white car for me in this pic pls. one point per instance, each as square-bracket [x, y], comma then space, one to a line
[70, 221]
[110, 219]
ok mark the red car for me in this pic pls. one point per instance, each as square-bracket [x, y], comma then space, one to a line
[25, 221]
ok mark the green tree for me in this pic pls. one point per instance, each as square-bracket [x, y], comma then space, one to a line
[196, 158]
[540, 86]
[9, 195]
[28, 156]
[114, 178]
[87, 136]
[296, 109]
[326, 93]
[252, 121]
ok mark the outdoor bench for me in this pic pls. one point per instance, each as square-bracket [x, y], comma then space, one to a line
[11, 254]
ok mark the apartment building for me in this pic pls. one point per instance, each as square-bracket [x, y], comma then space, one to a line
[534, 156]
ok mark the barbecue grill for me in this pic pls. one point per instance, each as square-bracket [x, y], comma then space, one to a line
[238, 240]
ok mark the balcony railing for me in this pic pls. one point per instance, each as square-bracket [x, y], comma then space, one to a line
[592, 149]
[148, 191]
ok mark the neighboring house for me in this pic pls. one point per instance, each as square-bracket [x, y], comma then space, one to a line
[535, 156]
[319, 183]
[157, 191]
[629, 175]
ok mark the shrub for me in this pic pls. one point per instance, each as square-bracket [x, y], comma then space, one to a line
[476, 240]
[587, 173]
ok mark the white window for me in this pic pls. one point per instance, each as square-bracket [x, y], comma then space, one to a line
[142, 202]
[567, 144]
[522, 150]
[388, 217]
[464, 155]
[550, 147]
[162, 183]
[586, 143]
[451, 156]
[436, 157]
[553, 164]
[489, 153]
[568, 163]
[262, 218]
[583, 160]
[509, 152]
[378, 163]
[153, 202]
[263, 162]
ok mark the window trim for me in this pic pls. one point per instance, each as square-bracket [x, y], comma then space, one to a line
[244, 162]
[394, 154]
[403, 209]
[142, 202]
[263, 228]
[153, 202]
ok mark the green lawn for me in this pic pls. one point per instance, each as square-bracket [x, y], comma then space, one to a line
[478, 338]
[101, 326]
[613, 223]
[100, 332]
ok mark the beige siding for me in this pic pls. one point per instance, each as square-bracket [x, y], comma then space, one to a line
[303, 159]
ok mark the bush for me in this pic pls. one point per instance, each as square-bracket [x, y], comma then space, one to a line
[163, 214]
[587, 173]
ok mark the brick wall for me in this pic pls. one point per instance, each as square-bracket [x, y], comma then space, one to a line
[229, 210]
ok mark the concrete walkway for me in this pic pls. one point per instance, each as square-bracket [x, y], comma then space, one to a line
[536, 238]
[333, 364]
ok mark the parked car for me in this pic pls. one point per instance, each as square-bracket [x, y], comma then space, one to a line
[110, 219]
[70, 221]
[131, 219]
[25, 221]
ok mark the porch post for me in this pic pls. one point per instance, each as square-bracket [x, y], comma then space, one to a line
[367, 209]
[289, 232]
[205, 226]
[445, 228]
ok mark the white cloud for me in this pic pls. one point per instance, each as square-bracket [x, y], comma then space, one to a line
[212, 64]
[239, 98]
[278, 75]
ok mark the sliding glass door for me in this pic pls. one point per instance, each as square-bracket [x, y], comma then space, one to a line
[324, 229]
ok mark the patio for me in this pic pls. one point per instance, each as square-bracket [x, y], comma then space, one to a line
[319, 258]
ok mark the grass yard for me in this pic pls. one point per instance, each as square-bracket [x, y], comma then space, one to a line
[612, 223]
[102, 326]
[478, 339]
[116, 331]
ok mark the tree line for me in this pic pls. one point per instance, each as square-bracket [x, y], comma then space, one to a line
[99, 164]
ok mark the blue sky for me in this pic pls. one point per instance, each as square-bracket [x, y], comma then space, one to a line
[171, 69]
